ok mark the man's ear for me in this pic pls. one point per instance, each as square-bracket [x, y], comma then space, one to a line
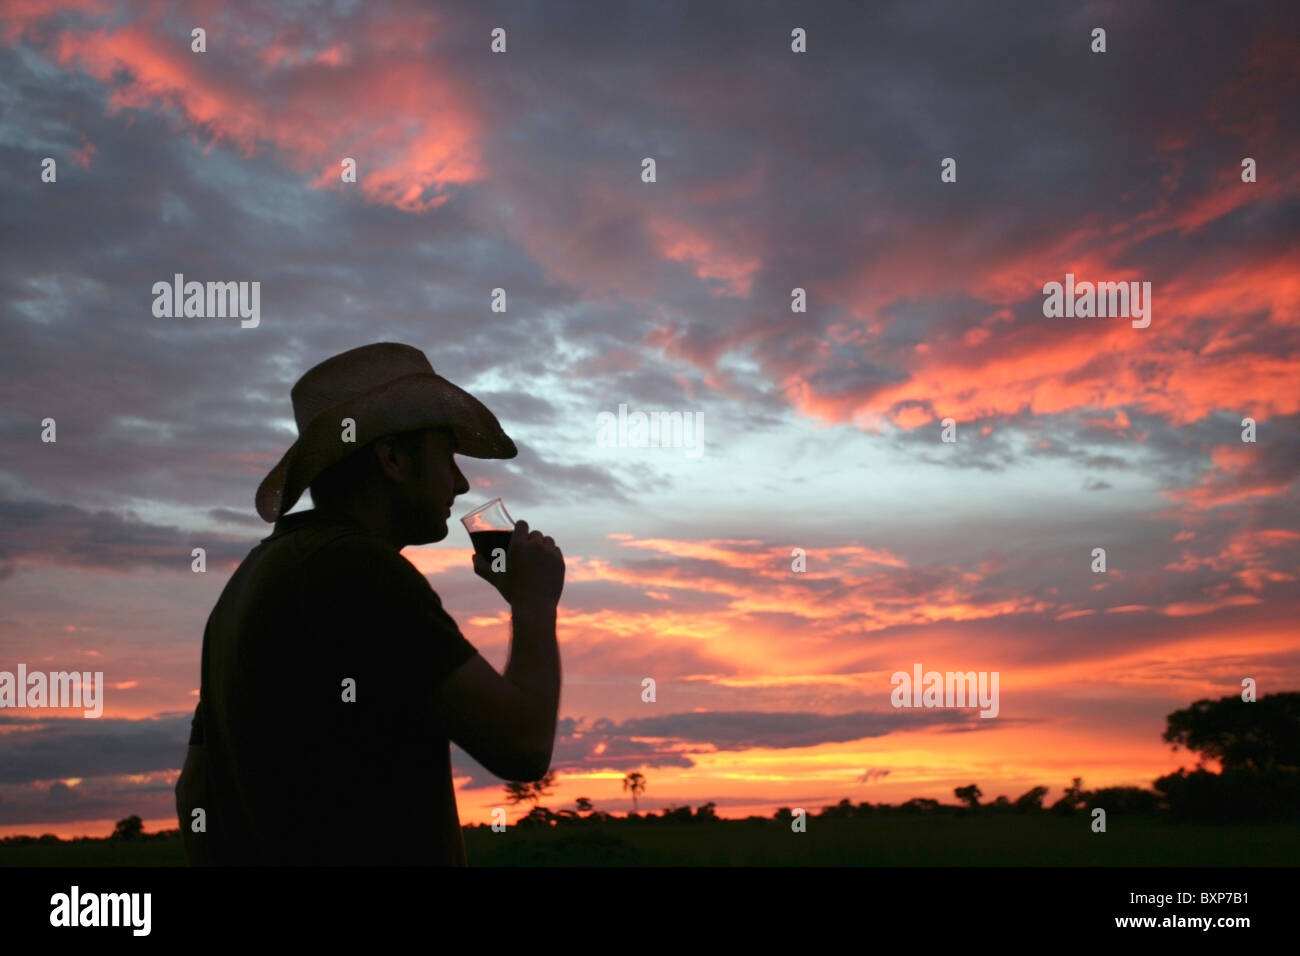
[385, 451]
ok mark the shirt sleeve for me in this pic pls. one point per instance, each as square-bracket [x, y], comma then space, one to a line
[379, 616]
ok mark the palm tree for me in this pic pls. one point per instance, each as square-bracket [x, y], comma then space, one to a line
[539, 786]
[636, 783]
[517, 792]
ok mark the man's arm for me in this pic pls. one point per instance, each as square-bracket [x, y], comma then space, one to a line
[507, 723]
[534, 667]
[191, 792]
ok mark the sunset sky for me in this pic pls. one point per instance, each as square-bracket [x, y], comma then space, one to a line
[821, 429]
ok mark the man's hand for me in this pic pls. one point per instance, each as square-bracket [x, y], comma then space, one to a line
[534, 574]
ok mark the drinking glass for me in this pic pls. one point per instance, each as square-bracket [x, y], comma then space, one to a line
[490, 527]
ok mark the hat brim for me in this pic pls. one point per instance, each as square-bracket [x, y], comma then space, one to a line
[409, 403]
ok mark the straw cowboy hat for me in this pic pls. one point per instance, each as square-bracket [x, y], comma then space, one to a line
[385, 388]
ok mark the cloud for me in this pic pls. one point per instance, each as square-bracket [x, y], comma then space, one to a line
[35, 532]
[151, 796]
[602, 744]
[44, 750]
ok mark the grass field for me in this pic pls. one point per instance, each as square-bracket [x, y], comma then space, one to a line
[882, 841]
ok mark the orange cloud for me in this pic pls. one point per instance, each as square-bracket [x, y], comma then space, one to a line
[1237, 473]
[705, 254]
[401, 115]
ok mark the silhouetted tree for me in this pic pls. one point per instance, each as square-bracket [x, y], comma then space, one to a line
[636, 783]
[1072, 800]
[538, 817]
[539, 786]
[920, 805]
[583, 805]
[1031, 801]
[1257, 735]
[706, 812]
[1257, 744]
[518, 791]
[1232, 796]
[970, 794]
[1128, 800]
[128, 829]
[843, 809]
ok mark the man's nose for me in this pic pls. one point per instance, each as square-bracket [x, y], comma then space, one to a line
[462, 485]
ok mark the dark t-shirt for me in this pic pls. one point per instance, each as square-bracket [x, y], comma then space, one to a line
[291, 769]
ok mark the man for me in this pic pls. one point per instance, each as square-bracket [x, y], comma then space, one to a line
[332, 678]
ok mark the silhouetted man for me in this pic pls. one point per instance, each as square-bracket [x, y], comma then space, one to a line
[332, 678]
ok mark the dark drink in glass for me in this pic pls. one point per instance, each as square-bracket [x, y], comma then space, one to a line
[490, 527]
[485, 542]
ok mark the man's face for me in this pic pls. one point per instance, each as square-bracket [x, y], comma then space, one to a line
[431, 483]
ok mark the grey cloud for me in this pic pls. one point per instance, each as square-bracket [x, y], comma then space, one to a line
[78, 747]
[63, 534]
[577, 740]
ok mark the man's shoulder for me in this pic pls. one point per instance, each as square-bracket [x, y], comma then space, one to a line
[359, 550]
[320, 539]
[310, 531]
[360, 563]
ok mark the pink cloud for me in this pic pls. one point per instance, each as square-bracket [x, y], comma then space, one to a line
[405, 119]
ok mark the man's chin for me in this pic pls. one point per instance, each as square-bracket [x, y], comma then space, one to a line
[429, 534]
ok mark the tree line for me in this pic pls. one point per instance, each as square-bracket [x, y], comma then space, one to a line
[1256, 744]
